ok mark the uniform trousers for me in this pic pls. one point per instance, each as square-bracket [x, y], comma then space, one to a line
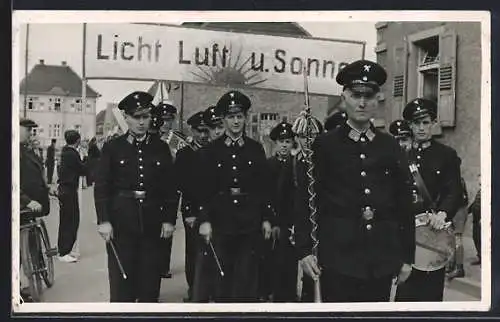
[140, 258]
[422, 286]
[206, 273]
[285, 271]
[266, 268]
[191, 239]
[337, 287]
[239, 259]
[69, 219]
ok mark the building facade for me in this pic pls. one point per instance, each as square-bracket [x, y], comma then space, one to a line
[52, 97]
[440, 61]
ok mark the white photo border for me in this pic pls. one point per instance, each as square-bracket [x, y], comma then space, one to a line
[22, 17]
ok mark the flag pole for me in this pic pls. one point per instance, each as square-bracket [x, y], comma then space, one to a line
[76, 248]
[25, 112]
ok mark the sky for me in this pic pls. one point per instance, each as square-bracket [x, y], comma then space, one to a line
[55, 43]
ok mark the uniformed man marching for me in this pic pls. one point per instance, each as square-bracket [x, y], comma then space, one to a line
[206, 270]
[366, 228]
[136, 204]
[214, 121]
[401, 131]
[272, 266]
[292, 205]
[162, 119]
[439, 167]
[236, 207]
[186, 166]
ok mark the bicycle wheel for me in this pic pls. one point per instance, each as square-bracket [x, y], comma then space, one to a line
[29, 257]
[46, 256]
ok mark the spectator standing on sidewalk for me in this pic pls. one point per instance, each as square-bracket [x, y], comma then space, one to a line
[69, 172]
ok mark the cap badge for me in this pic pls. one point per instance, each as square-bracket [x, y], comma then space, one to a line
[365, 78]
[367, 68]
[136, 96]
[231, 95]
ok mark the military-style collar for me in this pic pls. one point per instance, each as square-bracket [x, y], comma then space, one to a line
[131, 138]
[228, 141]
[356, 135]
[423, 145]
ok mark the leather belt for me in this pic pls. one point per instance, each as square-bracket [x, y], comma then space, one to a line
[136, 194]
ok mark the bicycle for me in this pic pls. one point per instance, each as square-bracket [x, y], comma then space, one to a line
[36, 254]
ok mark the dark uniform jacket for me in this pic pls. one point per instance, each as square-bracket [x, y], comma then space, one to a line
[70, 169]
[187, 167]
[439, 167]
[235, 187]
[351, 174]
[293, 196]
[32, 182]
[123, 168]
[275, 165]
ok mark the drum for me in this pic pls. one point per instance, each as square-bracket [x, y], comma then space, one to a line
[434, 248]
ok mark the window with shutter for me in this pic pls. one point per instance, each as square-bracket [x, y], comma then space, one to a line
[399, 80]
[447, 78]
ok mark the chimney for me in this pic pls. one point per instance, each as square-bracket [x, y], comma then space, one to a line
[63, 63]
[42, 62]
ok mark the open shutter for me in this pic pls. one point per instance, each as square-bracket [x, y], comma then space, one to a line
[399, 81]
[447, 78]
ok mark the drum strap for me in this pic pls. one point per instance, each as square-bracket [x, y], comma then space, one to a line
[419, 181]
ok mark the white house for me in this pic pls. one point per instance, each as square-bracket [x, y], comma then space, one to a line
[52, 97]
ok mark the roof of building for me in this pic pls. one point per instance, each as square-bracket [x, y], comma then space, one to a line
[55, 80]
[266, 28]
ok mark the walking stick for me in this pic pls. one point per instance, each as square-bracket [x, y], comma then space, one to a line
[216, 258]
[117, 259]
[304, 125]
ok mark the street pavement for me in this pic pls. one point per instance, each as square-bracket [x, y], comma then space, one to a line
[87, 280]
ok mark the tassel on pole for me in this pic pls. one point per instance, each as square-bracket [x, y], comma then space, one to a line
[305, 126]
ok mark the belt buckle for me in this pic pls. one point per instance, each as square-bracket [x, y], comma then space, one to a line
[139, 194]
[235, 191]
[368, 213]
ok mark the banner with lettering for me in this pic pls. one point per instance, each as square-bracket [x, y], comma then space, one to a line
[150, 52]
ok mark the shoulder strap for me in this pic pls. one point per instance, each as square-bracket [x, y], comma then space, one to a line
[421, 185]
